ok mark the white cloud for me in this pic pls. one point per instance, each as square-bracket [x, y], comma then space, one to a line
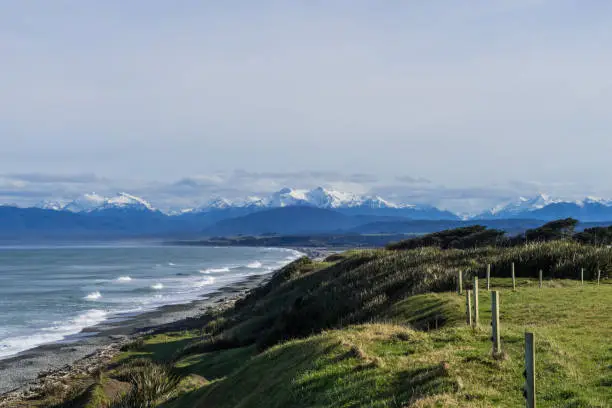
[461, 96]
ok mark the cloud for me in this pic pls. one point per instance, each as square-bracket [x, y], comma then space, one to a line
[55, 178]
[199, 181]
[412, 180]
[505, 90]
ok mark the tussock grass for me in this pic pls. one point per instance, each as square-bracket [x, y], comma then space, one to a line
[151, 383]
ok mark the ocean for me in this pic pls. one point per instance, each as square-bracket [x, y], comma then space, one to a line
[49, 294]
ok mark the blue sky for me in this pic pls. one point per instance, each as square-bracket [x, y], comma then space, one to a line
[459, 104]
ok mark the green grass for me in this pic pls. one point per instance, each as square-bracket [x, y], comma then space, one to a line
[386, 329]
[390, 365]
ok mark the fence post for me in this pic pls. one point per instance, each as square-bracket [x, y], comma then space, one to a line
[495, 322]
[468, 307]
[598, 276]
[476, 314]
[513, 278]
[530, 386]
[460, 283]
[488, 277]
[540, 279]
[582, 276]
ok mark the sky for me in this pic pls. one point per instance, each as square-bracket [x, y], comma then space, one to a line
[457, 104]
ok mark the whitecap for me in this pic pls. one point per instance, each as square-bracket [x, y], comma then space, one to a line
[58, 332]
[254, 265]
[157, 286]
[215, 270]
[171, 264]
[93, 296]
[208, 281]
[123, 279]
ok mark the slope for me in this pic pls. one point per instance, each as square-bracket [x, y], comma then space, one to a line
[386, 329]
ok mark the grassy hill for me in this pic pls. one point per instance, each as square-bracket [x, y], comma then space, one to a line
[386, 329]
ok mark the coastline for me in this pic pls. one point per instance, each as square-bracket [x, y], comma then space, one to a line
[25, 374]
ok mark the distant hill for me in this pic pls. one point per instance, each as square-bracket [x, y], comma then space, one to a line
[511, 226]
[413, 213]
[32, 224]
[288, 220]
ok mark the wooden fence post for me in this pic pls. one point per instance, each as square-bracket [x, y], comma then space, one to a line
[468, 307]
[582, 276]
[530, 386]
[496, 338]
[460, 283]
[476, 314]
[540, 279]
[598, 276]
[488, 277]
[513, 278]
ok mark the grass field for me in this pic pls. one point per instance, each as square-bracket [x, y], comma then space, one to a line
[387, 329]
[390, 365]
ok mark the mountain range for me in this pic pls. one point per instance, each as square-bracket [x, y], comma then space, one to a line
[541, 207]
[288, 211]
[350, 204]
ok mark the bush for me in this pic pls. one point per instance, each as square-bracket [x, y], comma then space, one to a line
[443, 239]
[595, 236]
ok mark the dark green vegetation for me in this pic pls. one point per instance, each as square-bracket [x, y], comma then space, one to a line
[385, 328]
[595, 236]
[475, 236]
[460, 238]
[301, 241]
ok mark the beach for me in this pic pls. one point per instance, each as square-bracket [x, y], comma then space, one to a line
[24, 375]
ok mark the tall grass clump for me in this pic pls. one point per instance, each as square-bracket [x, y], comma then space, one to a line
[151, 383]
[556, 259]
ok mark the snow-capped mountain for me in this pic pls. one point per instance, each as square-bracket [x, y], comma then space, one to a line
[347, 203]
[520, 206]
[544, 207]
[318, 197]
[128, 201]
[218, 203]
[85, 203]
[94, 202]
[50, 205]
[287, 197]
[595, 200]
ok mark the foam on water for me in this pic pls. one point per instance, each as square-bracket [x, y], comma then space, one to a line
[215, 270]
[59, 331]
[209, 280]
[93, 296]
[254, 265]
[139, 281]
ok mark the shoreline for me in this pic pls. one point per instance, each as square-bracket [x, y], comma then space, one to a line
[24, 375]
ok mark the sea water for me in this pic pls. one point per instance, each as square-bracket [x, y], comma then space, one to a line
[50, 293]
